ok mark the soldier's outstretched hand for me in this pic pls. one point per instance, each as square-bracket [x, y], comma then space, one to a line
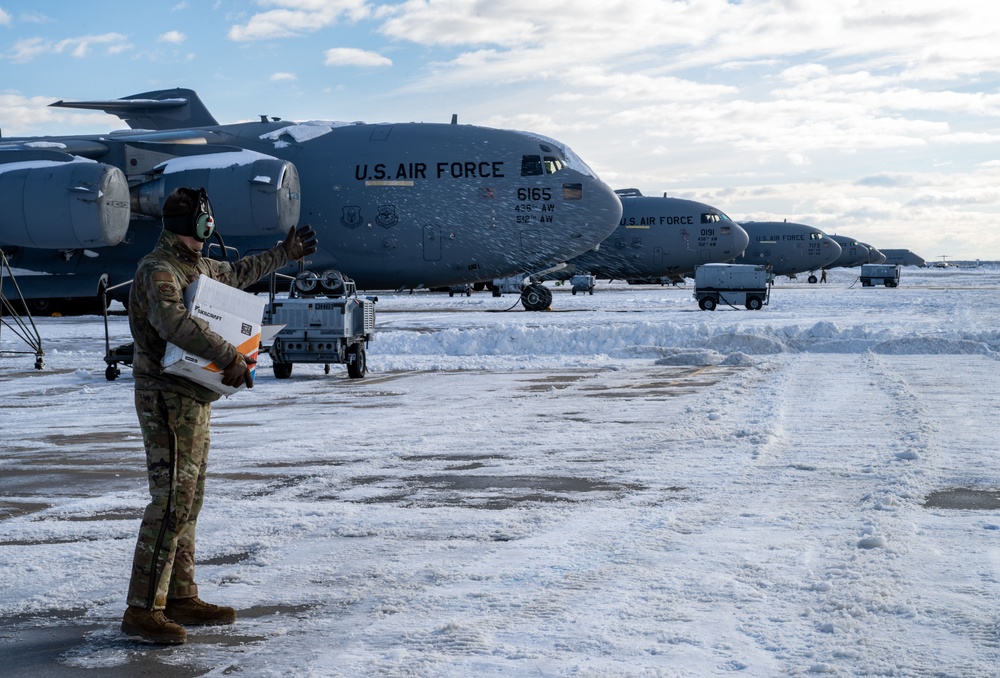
[300, 242]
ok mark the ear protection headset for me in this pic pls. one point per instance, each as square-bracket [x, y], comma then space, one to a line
[200, 224]
[202, 220]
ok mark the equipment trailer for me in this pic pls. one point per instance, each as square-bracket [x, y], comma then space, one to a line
[732, 284]
[323, 322]
[879, 274]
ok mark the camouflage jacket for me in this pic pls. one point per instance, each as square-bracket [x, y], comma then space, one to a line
[157, 314]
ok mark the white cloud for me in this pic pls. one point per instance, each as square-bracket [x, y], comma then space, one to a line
[277, 77]
[29, 48]
[4, 18]
[297, 17]
[175, 37]
[349, 56]
[26, 116]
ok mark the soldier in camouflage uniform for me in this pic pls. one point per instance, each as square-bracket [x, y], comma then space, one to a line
[174, 411]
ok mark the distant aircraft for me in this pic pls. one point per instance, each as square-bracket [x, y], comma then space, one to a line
[661, 238]
[852, 253]
[395, 205]
[657, 239]
[788, 248]
[875, 256]
[903, 258]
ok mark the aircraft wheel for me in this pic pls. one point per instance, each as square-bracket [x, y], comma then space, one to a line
[111, 373]
[357, 362]
[707, 304]
[536, 297]
[754, 303]
[42, 306]
[281, 370]
[326, 368]
[813, 280]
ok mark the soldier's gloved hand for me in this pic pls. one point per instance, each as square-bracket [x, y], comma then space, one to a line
[238, 372]
[300, 242]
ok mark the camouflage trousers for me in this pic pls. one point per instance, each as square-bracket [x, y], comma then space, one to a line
[175, 433]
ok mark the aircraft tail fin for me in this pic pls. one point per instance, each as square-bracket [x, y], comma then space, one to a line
[164, 109]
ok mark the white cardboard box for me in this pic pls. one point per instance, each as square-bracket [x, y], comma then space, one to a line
[229, 312]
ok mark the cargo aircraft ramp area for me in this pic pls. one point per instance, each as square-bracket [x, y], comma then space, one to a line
[626, 485]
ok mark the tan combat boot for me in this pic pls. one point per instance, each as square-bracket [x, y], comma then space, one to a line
[194, 612]
[152, 625]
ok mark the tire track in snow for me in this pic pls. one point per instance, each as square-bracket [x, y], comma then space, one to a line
[827, 562]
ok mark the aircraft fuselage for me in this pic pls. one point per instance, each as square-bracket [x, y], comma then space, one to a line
[787, 247]
[663, 237]
[394, 205]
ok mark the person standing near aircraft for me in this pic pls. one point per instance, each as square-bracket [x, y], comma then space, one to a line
[174, 411]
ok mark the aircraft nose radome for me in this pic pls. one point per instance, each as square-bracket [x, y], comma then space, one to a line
[741, 239]
[835, 249]
[606, 207]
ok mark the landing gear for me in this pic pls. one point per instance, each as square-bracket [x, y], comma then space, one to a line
[536, 297]
[813, 280]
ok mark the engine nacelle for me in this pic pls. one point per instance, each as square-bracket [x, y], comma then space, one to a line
[54, 201]
[251, 194]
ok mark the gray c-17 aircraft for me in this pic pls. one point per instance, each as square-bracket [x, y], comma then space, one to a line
[395, 205]
[788, 248]
[852, 253]
[661, 237]
[875, 256]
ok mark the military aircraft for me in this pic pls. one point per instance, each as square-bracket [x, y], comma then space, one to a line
[788, 248]
[661, 238]
[395, 205]
[903, 258]
[875, 256]
[852, 253]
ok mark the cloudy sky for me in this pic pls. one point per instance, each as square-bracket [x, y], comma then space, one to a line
[877, 120]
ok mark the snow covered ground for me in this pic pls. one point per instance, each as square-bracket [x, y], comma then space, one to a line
[623, 486]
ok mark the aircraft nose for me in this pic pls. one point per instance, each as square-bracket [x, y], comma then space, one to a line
[606, 208]
[741, 240]
[832, 249]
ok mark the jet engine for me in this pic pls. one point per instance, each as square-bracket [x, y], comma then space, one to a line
[250, 193]
[50, 199]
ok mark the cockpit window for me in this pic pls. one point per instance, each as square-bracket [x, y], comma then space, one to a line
[713, 217]
[815, 236]
[531, 166]
[553, 165]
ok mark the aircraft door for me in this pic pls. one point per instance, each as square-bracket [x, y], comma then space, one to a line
[705, 255]
[657, 256]
[432, 242]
